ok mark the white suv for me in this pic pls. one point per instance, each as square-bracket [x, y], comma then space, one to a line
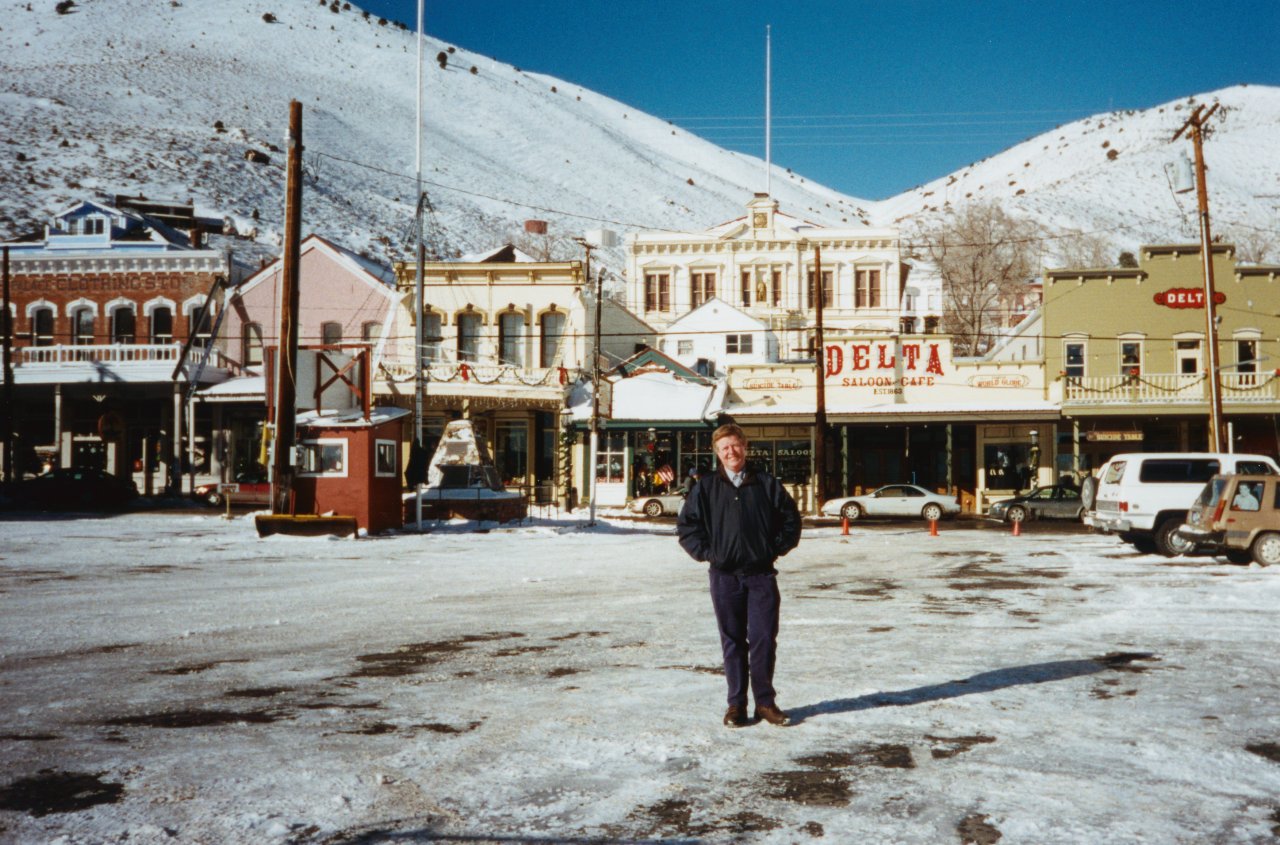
[1144, 496]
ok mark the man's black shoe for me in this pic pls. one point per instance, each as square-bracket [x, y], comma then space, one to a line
[735, 716]
[772, 715]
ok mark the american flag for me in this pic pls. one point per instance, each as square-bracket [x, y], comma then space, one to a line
[666, 473]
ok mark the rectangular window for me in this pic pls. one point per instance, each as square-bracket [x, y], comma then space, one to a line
[370, 332]
[331, 334]
[1188, 357]
[684, 347]
[252, 345]
[511, 339]
[866, 289]
[793, 459]
[696, 451]
[775, 292]
[468, 337]
[746, 288]
[1073, 357]
[432, 326]
[657, 292]
[738, 344]
[1008, 466]
[702, 286]
[324, 457]
[1130, 357]
[552, 337]
[611, 457]
[828, 290]
[386, 458]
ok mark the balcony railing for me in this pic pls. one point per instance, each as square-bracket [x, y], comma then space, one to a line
[462, 373]
[124, 357]
[1169, 389]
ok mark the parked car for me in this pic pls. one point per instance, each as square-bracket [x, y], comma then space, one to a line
[1144, 496]
[74, 488]
[255, 489]
[1056, 502]
[666, 504]
[1237, 516]
[893, 500]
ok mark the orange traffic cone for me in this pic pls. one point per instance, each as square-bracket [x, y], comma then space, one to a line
[1017, 528]
[933, 528]
[844, 529]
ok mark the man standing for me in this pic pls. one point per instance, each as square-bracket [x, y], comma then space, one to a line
[740, 520]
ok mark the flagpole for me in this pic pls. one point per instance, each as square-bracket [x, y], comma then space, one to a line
[768, 111]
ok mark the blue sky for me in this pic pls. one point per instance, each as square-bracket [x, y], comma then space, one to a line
[872, 98]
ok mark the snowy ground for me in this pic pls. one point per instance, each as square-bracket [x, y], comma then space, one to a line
[172, 678]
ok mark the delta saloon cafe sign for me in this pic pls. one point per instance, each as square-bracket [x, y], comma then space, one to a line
[885, 375]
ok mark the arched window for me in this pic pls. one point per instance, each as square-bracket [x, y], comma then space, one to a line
[552, 338]
[251, 344]
[124, 328]
[42, 326]
[331, 333]
[469, 337]
[511, 339]
[162, 324]
[201, 326]
[82, 320]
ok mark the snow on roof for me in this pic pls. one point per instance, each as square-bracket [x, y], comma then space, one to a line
[512, 255]
[351, 417]
[657, 396]
[240, 389]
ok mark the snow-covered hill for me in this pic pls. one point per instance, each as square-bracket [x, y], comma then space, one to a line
[166, 99]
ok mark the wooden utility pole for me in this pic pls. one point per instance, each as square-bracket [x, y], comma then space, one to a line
[1196, 122]
[7, 419]
[287, 358]
[820, 407]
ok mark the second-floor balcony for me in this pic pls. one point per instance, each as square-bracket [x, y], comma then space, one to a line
[1169, 389]
[114, 362]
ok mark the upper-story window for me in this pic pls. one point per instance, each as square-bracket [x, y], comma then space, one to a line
[251, 344]
[1130, 357]
[123, 325]
[737, 344]
[745, 288]
[469, 337]
[511, 339]
[828, 290]
[866, 289]
[162, 325]
[82, 320]
[1188, 354]
[94, 225]
[42, 326]
[684, 347]
[702, 286]
[552, 337]
[775, 288]
[1247, 365]
[657, 291]
[371, 331]
[432, 327]
[331, 333]
[1073, 358]
[201, 322]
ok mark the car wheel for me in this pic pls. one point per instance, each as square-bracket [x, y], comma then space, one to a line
[932, 512]
[1266, 549]
[653, 508]
[851, 511]
[1241, 557]
[1017, 513]
[214, 499]
[1080, 514]
[1167, 541]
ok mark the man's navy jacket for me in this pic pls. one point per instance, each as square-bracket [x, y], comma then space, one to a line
[742, 530]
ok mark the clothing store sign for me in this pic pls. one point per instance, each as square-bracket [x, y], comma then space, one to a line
[1186, 298]
[886, 366]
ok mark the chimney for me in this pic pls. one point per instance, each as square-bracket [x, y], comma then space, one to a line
[194, 235]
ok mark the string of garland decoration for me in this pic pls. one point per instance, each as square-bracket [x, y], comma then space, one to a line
[1241, 388]
[1130, 382]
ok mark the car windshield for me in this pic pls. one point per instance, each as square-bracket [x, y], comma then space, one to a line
[1254, 468]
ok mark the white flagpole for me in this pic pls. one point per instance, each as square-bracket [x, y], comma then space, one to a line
[768, 112]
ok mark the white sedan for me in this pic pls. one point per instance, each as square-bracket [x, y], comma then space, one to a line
[666, 504]
[893, 500]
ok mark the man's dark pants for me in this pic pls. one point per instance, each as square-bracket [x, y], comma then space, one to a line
[747, 614]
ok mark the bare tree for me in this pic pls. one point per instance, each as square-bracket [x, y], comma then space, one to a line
[1083, 249]
[1253, 246]
[985, 259]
